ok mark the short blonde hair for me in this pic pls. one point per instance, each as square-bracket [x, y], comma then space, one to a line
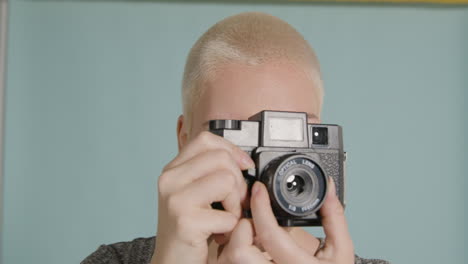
[251, 38]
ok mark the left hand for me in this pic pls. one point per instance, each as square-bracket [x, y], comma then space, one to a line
[279, 244]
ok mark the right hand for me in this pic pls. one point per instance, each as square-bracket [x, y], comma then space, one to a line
[207, 170]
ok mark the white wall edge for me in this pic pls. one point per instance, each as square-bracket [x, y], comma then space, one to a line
[3, 55]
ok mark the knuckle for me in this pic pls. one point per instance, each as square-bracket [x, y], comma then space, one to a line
[167, 167]
[229, 179]
[205, 137]
[237, 255]
[264, 237]
[223, 156]
[184, 230]
[225, 160]
[171, 164]
[173, 203]
[225, 179]
[338, 209]
[163, 181]
[182, 223]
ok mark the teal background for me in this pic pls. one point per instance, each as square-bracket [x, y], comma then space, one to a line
[93, 95]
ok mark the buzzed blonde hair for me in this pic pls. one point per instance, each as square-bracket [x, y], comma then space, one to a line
[251, 38]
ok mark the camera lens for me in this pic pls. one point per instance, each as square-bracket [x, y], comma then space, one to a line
[296, 184]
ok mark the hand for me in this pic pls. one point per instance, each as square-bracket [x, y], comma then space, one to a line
[208, 169]
[279, 244]
[241, 247]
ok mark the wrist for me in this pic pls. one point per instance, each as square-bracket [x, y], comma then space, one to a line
[169, 251]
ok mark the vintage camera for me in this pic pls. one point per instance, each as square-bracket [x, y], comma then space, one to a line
[293, 159]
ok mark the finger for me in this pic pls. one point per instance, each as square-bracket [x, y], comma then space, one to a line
[220, 239]
[277, 242]
[239, 248]
[249, 255]
[215, 187]
[211, 221]
[243, 234]
[305, 240]
[334, 221]
[200, 166]
[208, 141]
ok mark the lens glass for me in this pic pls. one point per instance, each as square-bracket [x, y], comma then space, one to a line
[295, 185]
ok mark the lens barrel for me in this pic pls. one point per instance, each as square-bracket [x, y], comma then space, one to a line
[296, 184]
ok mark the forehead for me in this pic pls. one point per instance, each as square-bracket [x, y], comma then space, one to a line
[238, 91]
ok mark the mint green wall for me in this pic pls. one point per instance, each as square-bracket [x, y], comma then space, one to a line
[93, 95]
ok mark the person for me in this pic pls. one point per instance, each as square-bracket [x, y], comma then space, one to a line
[242, 65]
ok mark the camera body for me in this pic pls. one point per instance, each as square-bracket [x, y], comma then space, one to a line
[293, 158]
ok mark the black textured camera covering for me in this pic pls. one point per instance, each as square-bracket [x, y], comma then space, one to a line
[332, 164]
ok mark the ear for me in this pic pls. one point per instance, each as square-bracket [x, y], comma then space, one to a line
[181, 132]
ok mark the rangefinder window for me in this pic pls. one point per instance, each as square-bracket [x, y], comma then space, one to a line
[289, 129]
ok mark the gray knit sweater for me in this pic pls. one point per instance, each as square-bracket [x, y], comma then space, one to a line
[140, 251]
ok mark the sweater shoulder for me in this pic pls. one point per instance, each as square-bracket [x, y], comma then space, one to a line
[139, 250]
[359, 260]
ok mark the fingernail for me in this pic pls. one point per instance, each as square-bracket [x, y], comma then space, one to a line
[255, 188]
[247, 162]
[332, 186]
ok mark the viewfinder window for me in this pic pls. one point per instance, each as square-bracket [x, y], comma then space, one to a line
[320, 135]
[290, 129]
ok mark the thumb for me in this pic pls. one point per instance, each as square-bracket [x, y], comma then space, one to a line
[334, 221]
